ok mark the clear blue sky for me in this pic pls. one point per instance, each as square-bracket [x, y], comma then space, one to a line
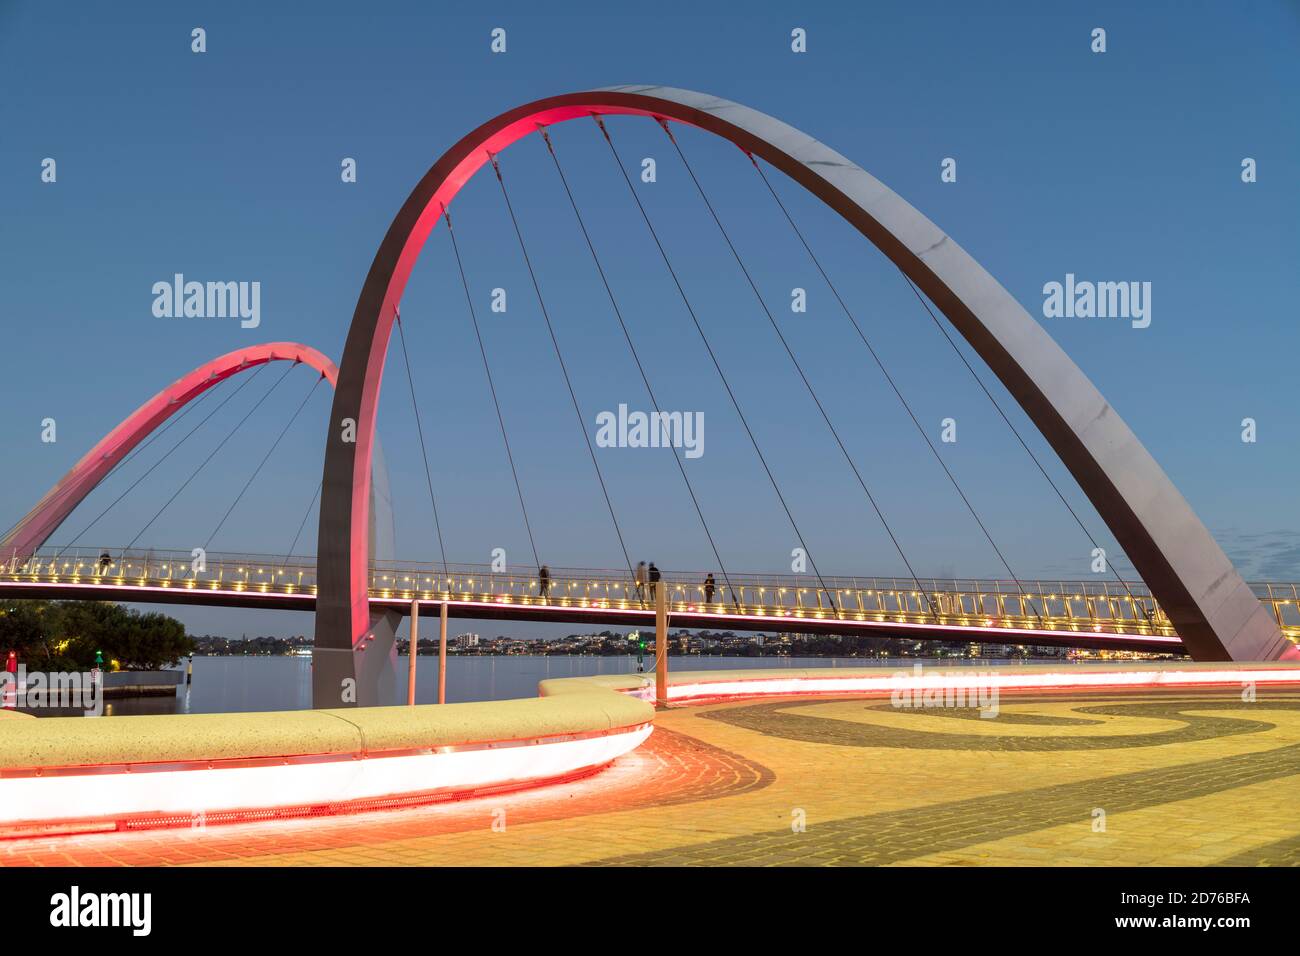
[225, 166]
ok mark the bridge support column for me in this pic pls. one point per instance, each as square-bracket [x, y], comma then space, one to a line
[661, 644]
[412, 653]
[361, 676]
[442, 654]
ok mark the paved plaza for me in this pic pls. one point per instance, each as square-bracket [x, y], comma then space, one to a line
[1175, 778]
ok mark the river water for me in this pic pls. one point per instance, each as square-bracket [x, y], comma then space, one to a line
[226, 684]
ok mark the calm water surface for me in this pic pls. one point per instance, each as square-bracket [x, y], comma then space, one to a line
[226, 684]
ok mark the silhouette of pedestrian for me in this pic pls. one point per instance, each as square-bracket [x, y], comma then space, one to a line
[654, 579]
[105, 562]
[543, 581]
[708, 588]
[640, 580]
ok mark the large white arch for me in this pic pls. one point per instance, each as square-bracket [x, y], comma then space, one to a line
[1214, 610]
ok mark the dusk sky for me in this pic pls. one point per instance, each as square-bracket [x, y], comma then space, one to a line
[225, 166]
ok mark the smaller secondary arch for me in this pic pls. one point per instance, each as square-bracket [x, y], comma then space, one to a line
[69, 491]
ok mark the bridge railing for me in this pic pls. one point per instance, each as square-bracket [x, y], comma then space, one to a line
[167, 568]
[1055, 605]
[1284, 599]
[1058, 603]
[1093, 606]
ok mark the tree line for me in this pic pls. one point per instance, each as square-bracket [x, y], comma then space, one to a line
[65, 636]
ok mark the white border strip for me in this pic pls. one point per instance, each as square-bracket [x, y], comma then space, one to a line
[978, 679]
[98, 796]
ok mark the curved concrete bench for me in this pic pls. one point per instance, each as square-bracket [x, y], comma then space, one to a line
[79, 774]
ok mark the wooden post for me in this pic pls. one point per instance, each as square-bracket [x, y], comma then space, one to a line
[661, 644]
[442, 655]
[412, 653]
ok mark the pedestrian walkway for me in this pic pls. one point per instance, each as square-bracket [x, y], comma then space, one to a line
[1175, 778]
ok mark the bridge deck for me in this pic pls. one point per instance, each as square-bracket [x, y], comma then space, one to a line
[1089, 614]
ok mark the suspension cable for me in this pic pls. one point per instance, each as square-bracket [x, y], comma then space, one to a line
[487, 371]
[1023, 444]
[220, 405]
[577, 410]
[712, 355]
[627, 336]
[799, 368]
[857, 327]
[212, 454]
[302, 524]
[289, 424]
[428, 476]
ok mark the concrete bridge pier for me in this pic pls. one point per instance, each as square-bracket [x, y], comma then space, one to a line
[363, 676]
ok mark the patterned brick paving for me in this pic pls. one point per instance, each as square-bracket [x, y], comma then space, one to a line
[781, 720]
[1281, 853]
[1185, 778]
[877, 839]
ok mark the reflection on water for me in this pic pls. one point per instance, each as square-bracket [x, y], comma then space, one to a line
[226, 684]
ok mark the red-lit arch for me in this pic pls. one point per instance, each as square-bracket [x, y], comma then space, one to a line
[57, 503]
[1214, 610]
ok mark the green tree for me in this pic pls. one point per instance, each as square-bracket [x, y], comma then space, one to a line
[149, 641]
[33, 629]
[66, 635]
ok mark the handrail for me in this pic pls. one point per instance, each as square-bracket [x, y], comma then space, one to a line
[1094, 606]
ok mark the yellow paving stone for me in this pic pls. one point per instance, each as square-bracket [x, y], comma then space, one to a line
[1184, 778]
[1199, 836]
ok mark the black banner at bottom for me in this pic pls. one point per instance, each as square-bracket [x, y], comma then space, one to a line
[267, 906]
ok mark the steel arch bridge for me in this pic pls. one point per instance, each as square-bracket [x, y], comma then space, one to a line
[1214, 611]
[1193, 599]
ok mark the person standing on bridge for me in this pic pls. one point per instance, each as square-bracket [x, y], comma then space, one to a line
[709, 586]
[105, 562]
[640, 581]
[543, 581]
[654, 579]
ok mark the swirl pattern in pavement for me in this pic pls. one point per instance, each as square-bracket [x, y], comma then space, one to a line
[781, 719]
